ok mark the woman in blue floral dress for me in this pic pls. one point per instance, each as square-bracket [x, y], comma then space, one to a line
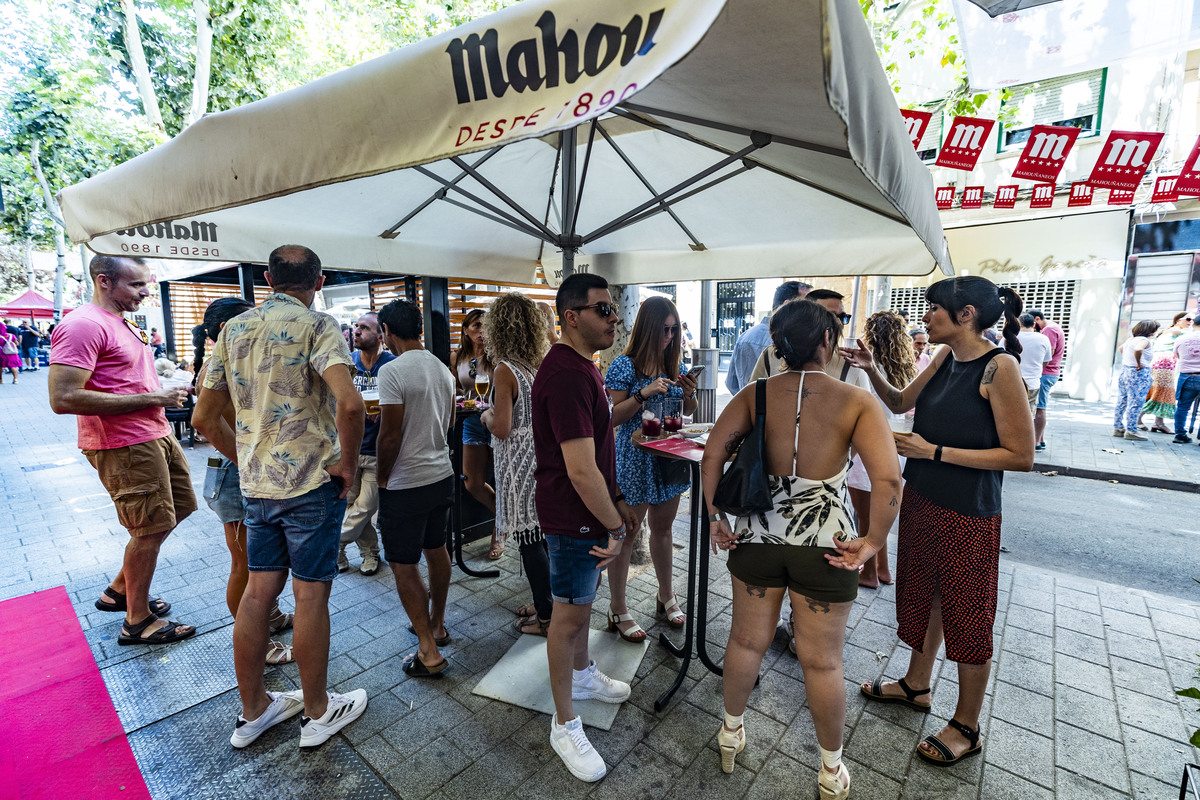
[650, 366]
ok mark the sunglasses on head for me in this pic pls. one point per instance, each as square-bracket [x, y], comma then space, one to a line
[605, 310]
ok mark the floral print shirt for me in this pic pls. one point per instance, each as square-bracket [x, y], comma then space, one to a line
[270, 360]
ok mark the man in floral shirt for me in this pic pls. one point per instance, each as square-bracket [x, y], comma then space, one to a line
[284, 367]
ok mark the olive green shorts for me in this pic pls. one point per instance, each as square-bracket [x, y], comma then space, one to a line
[803, 570]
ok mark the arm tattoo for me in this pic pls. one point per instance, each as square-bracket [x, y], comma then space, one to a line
[756, 591]
[734, 441]
[894, 501]
[989, 372]
[818, 606]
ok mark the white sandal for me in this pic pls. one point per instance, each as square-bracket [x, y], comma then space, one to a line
[830, 784]
[731, 743]
[279, 653]
[675, 618]
[634, 634]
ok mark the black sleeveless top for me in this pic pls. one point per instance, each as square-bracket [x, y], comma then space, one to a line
[952, 413]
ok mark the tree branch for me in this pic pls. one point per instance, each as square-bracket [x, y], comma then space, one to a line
[52, 209]
[137, 59]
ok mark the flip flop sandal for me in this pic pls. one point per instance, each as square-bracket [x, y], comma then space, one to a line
[540, 626]
[527, 610]
[158, 606]
[910, 698]
[281, 621]
[132, 634]
[415, 668]
[279, 653]
[445, 640]
[947, 755]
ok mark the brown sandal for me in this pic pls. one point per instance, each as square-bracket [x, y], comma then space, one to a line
[540, 626]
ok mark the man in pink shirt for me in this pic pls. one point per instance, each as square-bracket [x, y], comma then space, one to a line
[1058, 342]
[102, 370]
[1187, 350]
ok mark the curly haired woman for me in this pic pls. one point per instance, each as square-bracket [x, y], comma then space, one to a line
[890, 345]
[515, 332]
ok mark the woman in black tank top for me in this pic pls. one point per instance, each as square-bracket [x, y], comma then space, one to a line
[972, 423]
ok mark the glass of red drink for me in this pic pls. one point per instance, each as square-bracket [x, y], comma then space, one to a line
[672, 419]
[652, 418]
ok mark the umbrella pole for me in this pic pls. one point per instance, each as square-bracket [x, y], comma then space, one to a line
[566, 149]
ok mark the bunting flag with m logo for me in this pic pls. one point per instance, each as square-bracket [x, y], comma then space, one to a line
[916, 123]
[1045, 153]
[1165, 189]
[944, 195]
[1124, 159]
[1189, 178]
[1081, 195]
[964, 143]
[1006, 196]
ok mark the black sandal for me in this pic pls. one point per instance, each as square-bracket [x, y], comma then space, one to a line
[132, 634]
[158, 606]
[910, 698]
[415, 668]
[442, 642]
[947, 755]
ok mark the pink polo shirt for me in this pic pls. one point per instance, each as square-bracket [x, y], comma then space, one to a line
[1058, 343]
[103, 343]
[1187, 349]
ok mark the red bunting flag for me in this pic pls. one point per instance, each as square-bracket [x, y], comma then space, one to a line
[916, 122]
[1045, 153]
[944, 196]
[1043, 196]
[1124, 159]
[1006, 197]
[1081, 195]
[1164, 189]
[1189, 178]
[964, 142]
[972, 197]
[1117, 197]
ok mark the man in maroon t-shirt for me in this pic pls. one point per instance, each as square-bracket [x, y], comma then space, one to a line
[580, 508]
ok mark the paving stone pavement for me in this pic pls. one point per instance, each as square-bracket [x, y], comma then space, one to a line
[1080, 704]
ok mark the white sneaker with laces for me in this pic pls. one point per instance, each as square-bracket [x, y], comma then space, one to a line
[576, 752]
[595, 685]
[284, 705]
[343, 709]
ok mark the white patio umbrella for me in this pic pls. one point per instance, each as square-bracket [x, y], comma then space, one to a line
[660, 140]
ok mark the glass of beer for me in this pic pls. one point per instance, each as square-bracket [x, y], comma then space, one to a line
[482, 384]
[371, 400]
[652, 419]
[672, 419]
[901, 424]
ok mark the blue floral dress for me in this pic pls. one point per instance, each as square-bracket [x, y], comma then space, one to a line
[637, 472]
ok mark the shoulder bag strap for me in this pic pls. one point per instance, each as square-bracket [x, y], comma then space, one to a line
[845, 371]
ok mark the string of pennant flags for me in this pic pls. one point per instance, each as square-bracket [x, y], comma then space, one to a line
[1123, 162]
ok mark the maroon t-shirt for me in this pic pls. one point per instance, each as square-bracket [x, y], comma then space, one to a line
[569, 402]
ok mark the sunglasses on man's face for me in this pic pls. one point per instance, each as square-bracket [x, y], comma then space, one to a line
[605, 310]
[844, 318]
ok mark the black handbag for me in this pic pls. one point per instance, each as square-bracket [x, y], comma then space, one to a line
[673, 471]
[743, 489]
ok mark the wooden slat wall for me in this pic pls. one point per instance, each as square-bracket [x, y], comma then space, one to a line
[189, 301]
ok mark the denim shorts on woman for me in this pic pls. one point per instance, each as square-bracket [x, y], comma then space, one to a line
[573, 573]
[474, 432]
[223, 490]
[298, 533]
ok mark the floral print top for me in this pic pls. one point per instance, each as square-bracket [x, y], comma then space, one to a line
[271, 360]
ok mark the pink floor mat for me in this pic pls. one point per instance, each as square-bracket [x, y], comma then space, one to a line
[63, 737]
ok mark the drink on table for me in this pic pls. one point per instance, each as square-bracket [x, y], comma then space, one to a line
[651, 425]
[672, 420]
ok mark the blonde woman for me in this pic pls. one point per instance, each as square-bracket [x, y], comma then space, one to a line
[888, 340]
[515, 331]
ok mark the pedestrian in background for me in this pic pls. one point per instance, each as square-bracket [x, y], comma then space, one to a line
[1036, 352]
[758, 338]
[10, 354]
[1187, 351]
[972, 423]
[1050, 373]
[1160, 401]
[299, 421]
[1134, 382]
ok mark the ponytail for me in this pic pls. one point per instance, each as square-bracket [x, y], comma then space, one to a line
[199, 338]
[1013, 306]
[219, 312]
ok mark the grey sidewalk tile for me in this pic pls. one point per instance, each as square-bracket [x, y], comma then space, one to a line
[1081, 601]
[1024, 708]
[1170, 605]
[1088, 648]
[1027, 673]
[1150, 713]
[1178, 646]
[777, 696]
[781, 778]
[488, 728]
[1129, 624]
[427, 770]
[383, 709]
[1077, 584]
[1146, 788]
[1034, 620]
[422, 725]
[643, 774]
[1030, 645]
[1000, 785]
[874, 636]
[1075, 787]
[931, 783]
[1134, 648]
[1032, 597]
[1079, 621]
[629, 728]
[551, 781]
[1157, 756]
[1141, 678]
[1020, 751]
[1185, 625]
[1084, 711]
[886, 747]
[1035, 579]
[380, 755]
[685, 730]
[703, 778]
[1100, 759]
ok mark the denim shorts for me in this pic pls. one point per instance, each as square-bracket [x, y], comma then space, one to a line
[223, 490]
[573, 574]
[1048, 382]
[301, 533]
[474, 432]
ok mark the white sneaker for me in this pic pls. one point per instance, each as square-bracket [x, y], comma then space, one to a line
[284, 705]
[595, 685]
[343, 709]
[576, 752]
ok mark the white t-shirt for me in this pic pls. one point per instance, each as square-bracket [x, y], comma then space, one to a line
[1036, 350]
[1132, 344]
[424, 386]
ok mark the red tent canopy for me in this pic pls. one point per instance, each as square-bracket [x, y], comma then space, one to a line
[30, 305]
